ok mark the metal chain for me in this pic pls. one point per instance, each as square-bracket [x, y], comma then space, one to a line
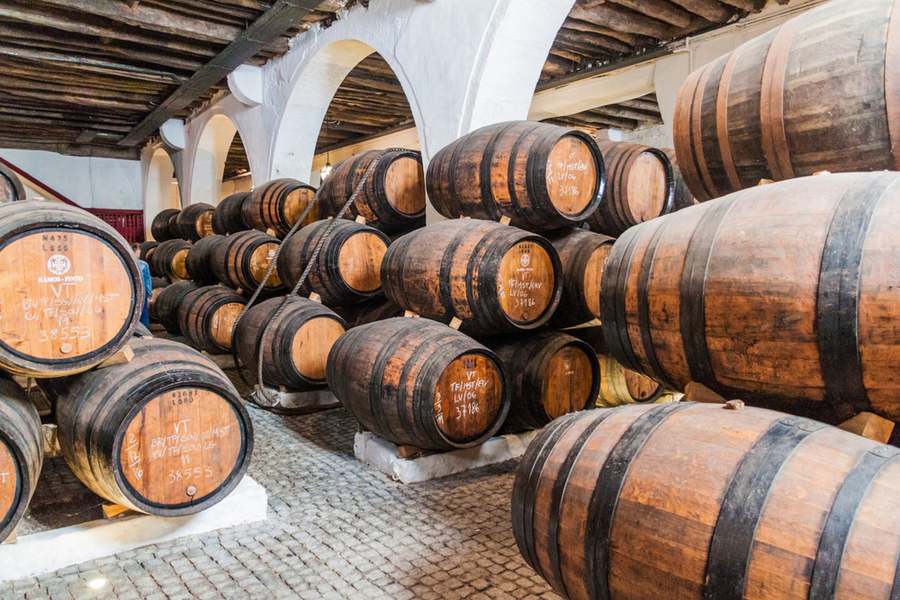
[274, 406]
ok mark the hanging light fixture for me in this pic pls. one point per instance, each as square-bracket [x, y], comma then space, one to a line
[326, 170]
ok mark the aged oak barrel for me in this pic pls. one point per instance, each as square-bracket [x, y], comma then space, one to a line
[784, 292]
[296, 350]
[242, 260]
[276, 206]
[493, 277]
[158, 285]
[147, 249]
[165, 308]
[21, 453]
[640, 185]
[206, 317]
[683, 196]
[70, 289]
[199, 260]
[195, 221]
[819, 93]
[164, 226]
[419, 383]
[582, 255]
[228, 216]
[697, 502]
[169, 258]
[393, 199]
[165, 434]
[551, 374]
[541, 176]
[377, 308]
[348, 267]
[619, 385]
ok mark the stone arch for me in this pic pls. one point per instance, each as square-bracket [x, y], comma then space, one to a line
[160, 187]
[209, 157]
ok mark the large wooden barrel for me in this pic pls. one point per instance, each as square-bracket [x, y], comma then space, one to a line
[276, 206]
[419, 383]
[784, 291]
[697, 502]
[296, 351]
[541, 176]
[147, 249]
[393, 199]
[493, 277]
[158, 285]
[242, 260]
[228, 216]
[195, 221]
[21, 453]
[551, 374]
[206, 317]
[817, 94]
[619, 385]
[165, 434]
[683, 196]
[71, 291]
[164, 225]
[348, 267]
[165, 308]
[169, 259]
[582, 255]
[199, 260]
[640, 186]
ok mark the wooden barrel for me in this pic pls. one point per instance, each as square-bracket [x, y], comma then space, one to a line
[147, 249]
[70, 289]
[348, 268]
[541, 176]
[21, 453]
[165, 308]
[683, 196]
[276, 206]
[816, 94]
[199, 260]
[694, 501]
[759, 298]
[163, 227]
[228, 216]
[158, 285]
[619, 385]
[374, 309]
[206, 317]
[242, 259]
[393, 199]
[169, 260]
[551, 374]
[165, 434]
[582, 255]
[420, 383]
[493, 277]
[195, 221]
[640, 185]
[296, 351]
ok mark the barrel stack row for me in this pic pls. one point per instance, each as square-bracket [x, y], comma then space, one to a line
[781, 295]
[72, 295]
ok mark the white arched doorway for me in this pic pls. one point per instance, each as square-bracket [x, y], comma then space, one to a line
[209, 160]
[160, 187]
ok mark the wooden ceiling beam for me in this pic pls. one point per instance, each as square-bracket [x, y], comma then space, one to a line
[614, 17]
[615, 110]
[270, 26]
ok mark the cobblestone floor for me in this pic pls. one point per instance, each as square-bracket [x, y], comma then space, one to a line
[335, 530]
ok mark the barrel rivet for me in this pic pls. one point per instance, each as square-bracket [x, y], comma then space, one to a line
[191, 490]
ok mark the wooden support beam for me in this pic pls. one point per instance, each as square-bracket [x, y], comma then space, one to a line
[615, 17]
[615, 110]
[578, 25]
[271, 25]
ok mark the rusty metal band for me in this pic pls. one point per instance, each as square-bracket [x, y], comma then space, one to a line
[722, 122]
[697, 132]
[771, 105]
[682, 134]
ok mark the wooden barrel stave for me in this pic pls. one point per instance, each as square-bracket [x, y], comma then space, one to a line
[393, 199]
[769, 324]
[241, 261]
[158, 284]
[206, 317]
[404, 380]
[707, 503]
[374, 309]
[198, 262]
[70, 289]
[348, 267]
[163, 227]
[21, 453]
[165, 308]
[298, 344]
[228, 216]
[582, 255]
[430, 270]
[169, 258]
[276, 206]
[619, 386]
[471, 176]
[551, 374]
[110, 420]
[195, 221]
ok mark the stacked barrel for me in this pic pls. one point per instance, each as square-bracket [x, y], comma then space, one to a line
[72, 294]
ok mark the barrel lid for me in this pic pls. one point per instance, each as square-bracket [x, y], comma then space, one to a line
[526, 282]
[404, 185]
[593, 273]
[468, 397]
[568, 384]
[359, 260]
[571, 175]
[10, 485]
[312, 343]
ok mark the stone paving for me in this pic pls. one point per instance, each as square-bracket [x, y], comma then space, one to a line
[336, 529]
